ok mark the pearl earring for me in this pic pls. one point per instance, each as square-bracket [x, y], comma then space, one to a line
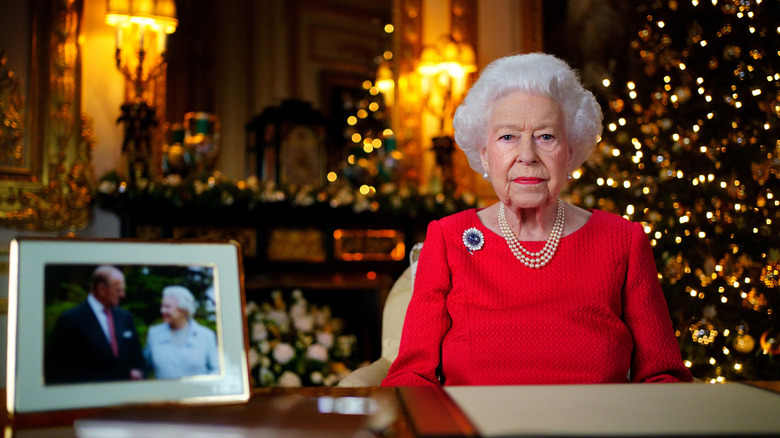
[485, 175]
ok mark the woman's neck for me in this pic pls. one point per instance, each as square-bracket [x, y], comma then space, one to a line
[531, 224]
[179, 325]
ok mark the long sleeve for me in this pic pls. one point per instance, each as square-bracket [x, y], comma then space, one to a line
[427, 319]
[594, 314]
[656, 355]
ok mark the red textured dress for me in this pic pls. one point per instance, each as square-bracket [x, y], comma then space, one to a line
[595, 314]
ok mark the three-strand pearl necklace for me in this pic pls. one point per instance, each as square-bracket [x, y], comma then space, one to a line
[533, 259]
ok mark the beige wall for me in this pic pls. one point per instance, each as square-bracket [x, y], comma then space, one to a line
[243, 93]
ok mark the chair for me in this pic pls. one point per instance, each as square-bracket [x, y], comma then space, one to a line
[392, 323]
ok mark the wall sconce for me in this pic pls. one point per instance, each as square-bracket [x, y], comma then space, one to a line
[385, 82]
[142, 28]
[444, 69]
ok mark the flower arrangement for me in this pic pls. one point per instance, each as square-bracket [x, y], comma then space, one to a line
[215, 190]
[297, 345]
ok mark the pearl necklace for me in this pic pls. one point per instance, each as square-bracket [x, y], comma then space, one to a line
[534, 260]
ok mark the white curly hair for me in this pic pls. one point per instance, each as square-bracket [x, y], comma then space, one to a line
[184, 299]
[535, 73]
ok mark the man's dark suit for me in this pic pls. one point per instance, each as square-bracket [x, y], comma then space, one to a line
[78, 350]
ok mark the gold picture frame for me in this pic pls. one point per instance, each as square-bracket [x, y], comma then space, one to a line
[50, 277]
[46, 142]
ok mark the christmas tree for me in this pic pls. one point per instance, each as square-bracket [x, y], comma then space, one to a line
[691, 150]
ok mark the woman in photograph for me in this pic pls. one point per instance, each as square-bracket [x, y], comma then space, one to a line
[532, 289]
[179, 346]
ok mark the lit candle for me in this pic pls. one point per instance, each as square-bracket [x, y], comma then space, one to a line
[161, 37]
[118, 36]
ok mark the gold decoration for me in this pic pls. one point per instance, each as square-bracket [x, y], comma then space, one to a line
[675, 268]
[770, 275]
[744, 343]
[770, 342]
[246, 237]
[296, 244]
[754, 300]
[356, 245]
[703, 332]
[11, 110]
[51, 190]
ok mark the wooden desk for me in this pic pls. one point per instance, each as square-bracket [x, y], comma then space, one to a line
[417, 412]
[61, 424]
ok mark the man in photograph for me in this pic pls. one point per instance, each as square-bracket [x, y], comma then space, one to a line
[96, 340]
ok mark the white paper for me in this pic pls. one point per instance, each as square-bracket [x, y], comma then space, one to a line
[620, 409]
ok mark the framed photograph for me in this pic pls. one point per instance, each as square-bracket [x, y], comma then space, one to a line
[95, 323]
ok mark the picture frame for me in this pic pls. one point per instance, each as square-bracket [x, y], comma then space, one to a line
[46, 281]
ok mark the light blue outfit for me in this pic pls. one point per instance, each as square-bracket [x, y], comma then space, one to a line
[196, 356]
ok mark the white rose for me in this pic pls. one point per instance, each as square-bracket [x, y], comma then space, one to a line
[280, 318]
[253, 357]
[330, 380]
[259, 331]
[264, 347]
[283, 352]
[289, 380]
[251, 307]
[316, 377]
[325, 338]
[317, 352]
[298, 309]
[304, 323]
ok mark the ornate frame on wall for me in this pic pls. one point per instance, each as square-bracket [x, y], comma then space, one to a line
[45, 148]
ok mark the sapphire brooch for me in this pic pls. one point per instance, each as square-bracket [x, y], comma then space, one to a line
[473, 239]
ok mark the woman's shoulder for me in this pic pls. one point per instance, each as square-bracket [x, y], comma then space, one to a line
[200, 328]
[459, 219]
[156, 331]
[606, 224]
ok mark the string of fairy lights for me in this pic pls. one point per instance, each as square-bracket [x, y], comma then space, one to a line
[373, 144]
[691, 151]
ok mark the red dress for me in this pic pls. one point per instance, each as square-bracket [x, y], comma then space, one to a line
[595, 314]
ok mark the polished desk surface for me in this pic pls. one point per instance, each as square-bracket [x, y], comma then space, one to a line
[61, 423]
[414, 413]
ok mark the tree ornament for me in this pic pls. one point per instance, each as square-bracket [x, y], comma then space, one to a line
[754, 300]
[770, 341]
[675, 268]
[770, 275]
[703, 332]
[732, 52]
[744, 343]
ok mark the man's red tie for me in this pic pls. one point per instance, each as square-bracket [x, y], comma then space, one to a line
[114, 344]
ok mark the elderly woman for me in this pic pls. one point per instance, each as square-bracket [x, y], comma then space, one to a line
[179, 346]
[534, 290]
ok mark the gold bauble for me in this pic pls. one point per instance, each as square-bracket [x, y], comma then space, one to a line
[176, 159]
[770, 341]
[744, 343]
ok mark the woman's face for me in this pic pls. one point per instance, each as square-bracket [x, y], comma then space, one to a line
[526, 153]
[171, 313]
